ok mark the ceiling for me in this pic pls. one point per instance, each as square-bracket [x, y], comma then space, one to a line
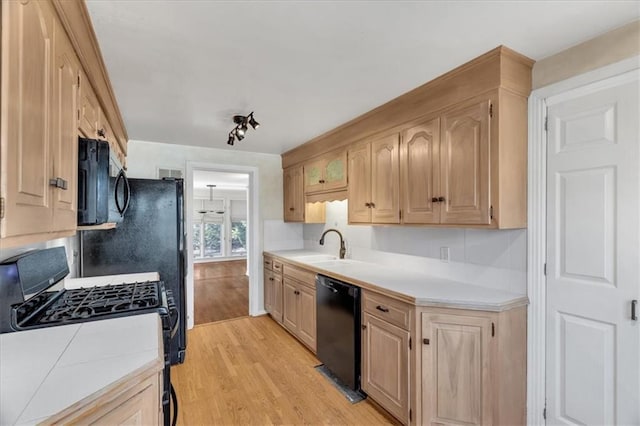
[202, 178]
[181, 69]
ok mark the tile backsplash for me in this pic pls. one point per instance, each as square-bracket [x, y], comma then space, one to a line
[490, 258]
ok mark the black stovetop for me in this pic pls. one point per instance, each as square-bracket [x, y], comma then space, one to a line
[68, 306]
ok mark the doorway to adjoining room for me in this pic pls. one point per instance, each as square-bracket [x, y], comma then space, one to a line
[219, 238]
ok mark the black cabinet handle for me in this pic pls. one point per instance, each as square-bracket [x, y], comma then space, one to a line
[441, 199]
[382, 308]
[364, 327]
[434, 199]
[291, 209]
[634, 310]
[271, 279]
[425, 341]
[321, 181]
[372, 205]
[367, 205]
[101, 133]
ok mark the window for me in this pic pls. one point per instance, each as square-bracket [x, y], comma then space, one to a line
[212, 236]
[239, 238]
[238, 227]
[220, 228]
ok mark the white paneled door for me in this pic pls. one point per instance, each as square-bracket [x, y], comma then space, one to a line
[593, 255]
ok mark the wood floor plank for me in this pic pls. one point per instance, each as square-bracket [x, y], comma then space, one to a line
[221, 291]
[250, 371]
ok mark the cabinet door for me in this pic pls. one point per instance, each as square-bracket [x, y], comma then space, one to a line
[455, 370]
[335, 171]
[465, 165]
[359, 192]
[64, 141]
[290, 306]
[277, 298]
[385, 180]
[313, 176]
[141, 409]
[385, 365]
[26, 116]
[268, 291]
[420, 168]
[89, 109]
[307, 320]
[293, 194]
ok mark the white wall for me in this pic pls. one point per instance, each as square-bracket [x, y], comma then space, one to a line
[608, 48]
[490, 258]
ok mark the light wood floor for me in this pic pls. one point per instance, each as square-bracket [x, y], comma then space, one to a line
[221, 291]
[250, 371]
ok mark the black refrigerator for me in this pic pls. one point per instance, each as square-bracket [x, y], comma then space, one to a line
[150, 237]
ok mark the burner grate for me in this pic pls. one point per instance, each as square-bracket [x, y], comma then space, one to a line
[88, 303]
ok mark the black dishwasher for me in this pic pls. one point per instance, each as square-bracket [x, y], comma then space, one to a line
[338, 329]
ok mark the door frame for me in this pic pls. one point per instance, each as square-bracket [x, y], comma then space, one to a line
[591, 81]
[254, 251]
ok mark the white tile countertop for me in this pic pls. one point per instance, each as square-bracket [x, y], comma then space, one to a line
[46, 370]
[411, 286]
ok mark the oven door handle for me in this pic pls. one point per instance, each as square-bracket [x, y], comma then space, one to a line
[175, 320]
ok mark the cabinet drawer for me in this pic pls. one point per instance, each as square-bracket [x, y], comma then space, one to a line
[268, 263]
[390, 310]
[276, 266]
[305, 277]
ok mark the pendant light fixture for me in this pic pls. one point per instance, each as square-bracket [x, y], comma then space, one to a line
[205, 211]
[242, 125]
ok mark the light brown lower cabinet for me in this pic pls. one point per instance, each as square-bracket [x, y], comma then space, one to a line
[456, 387]
[455, 367]
[385, 365]
[134, 402]
[273, 294]
[299, 311]
[473, 367]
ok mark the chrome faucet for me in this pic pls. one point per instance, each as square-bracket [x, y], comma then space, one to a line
[343, 250]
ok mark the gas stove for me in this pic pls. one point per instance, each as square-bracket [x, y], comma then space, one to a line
[85, 304]
[26, 302]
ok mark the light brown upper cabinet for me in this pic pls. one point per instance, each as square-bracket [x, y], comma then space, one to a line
[39, 139]
[329, 173]
[295, 208]
[293, 195]
[463, 153]
[374, 181]
[467, 166]
[89, 110]
[445, 171]
[65, 135]
[43, 112]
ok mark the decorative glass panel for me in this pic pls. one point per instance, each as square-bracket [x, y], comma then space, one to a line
[335, 170]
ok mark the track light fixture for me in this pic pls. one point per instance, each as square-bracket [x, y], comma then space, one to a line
[242, 125]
